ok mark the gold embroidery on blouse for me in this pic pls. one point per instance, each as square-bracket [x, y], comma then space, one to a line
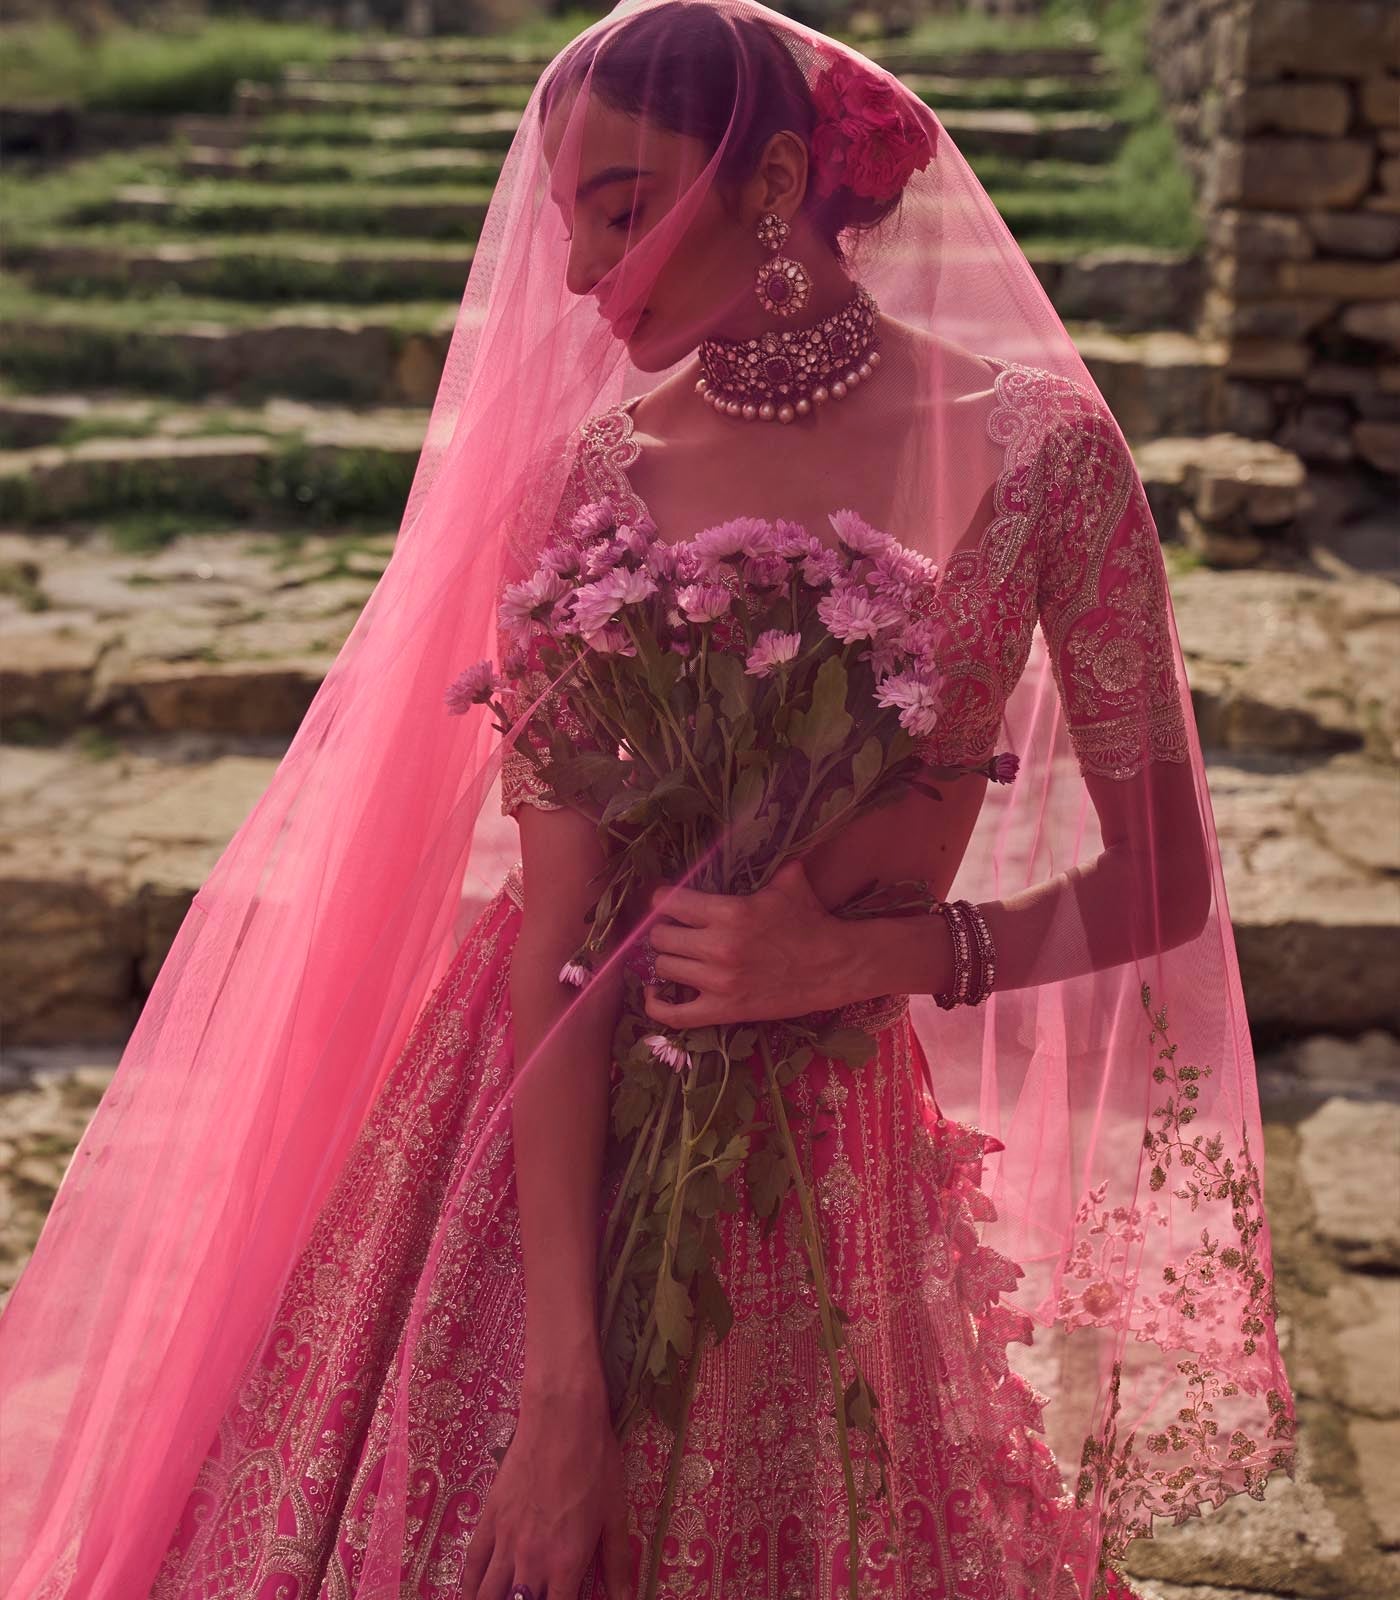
[1070, 543]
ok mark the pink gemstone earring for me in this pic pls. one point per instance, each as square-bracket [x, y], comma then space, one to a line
[781, 284]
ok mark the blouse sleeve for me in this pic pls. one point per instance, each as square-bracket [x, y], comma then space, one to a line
[1103, 605]
[521, 782]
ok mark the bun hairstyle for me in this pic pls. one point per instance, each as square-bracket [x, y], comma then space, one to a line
[694, 68]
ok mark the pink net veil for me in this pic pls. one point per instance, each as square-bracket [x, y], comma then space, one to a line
[1111, 1069]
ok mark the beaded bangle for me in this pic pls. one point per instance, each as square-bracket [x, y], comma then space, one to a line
[957, 994]
[986, 953]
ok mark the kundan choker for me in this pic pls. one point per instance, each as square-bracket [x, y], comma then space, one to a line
[782, 374]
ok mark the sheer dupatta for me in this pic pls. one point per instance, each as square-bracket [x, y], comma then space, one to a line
[1112, 1063]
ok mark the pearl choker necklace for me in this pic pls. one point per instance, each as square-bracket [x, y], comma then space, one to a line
[783, 374]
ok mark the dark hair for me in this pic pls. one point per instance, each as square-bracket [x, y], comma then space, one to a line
[691, 67]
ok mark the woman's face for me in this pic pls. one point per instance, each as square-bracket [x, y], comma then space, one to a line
[630, 175]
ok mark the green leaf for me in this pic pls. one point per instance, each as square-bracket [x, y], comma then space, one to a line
[768, 1180]
[734, 684]
[826, 725]
[674, 1313]
[714, 1305]
[833, 806]
[589, 771]
[851, 1045]
[866, 764]
[632, 1101]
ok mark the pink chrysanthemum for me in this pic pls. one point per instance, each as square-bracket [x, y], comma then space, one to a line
[575, 972]
[598, 516]
[597, 604]
[918, 701]
[822, 566]
[564, 559]
[740, 536]
[852, 613]
[766, 572]
[611, 641]
[856, 534]
[703, 602]
[473, 687]
[1003, 768]
[772, 649]
[533, 600]
[667, 1051]
[662, 560]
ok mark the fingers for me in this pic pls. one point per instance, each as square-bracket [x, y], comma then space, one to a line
[677, 939]
[478, 1557]
[500, 1575]
[617, 1558]
[698, 1013]
[694, 906]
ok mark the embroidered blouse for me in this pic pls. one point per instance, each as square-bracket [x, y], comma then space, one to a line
[1070, 544]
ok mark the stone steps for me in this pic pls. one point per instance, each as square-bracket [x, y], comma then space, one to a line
[278, 269]
[300, 463]
[1130, 289]
[273, 165]
[489, 131]
[343, 354]
[106, 842]
[244, 208]
[58, 637]
[262, 99]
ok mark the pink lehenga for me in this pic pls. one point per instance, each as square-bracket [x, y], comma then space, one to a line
[975, 1510]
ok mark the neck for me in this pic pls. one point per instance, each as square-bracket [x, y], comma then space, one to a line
[831, 288]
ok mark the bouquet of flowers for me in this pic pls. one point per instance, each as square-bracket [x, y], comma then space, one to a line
[744, 695]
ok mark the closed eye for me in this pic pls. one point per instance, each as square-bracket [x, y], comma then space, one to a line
[625, 220]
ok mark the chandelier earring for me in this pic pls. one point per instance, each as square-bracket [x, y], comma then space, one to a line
[781, 284]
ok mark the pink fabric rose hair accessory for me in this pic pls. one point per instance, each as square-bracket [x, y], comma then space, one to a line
[865, 137]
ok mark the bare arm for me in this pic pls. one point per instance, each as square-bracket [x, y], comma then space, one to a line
[559, 1114]
[561, 1482]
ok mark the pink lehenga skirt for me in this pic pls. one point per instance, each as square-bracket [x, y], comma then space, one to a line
[974, 1510]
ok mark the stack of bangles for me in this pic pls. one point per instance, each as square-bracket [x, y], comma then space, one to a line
[968, 926]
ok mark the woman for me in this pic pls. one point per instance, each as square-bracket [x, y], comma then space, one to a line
[315, 1312]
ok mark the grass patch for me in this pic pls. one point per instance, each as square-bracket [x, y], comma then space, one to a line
[434, 213]
[175, 68]
[342, 128]
[20, 581]
[265, 271]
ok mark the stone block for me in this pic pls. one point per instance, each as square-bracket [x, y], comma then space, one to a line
[1281, 174]
[1365, 1312]
[1349, 1157]
[1260, 235]
[1378, 323]
[1378, 443]
[1379, 100]
[1267, 358]
[1319, 431]
[1249, 409]
[1322, 108]
[1324, 38]
[1342, 378]
[1377, 1449]
[1286, 318]
[1354, 233]
[1342, 280]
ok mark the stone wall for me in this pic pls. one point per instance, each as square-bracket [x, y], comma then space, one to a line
[1288, 112]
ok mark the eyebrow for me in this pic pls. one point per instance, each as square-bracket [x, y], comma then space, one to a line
[610, 175]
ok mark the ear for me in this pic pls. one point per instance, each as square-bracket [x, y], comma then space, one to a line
[779, 180]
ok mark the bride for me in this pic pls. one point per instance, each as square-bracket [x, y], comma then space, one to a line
[316, 1312]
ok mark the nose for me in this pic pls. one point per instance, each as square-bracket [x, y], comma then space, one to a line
[586, 267]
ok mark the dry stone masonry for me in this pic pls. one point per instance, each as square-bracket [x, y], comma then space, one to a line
[1288, 112]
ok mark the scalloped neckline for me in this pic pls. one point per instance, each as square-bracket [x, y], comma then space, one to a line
[625, 450]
